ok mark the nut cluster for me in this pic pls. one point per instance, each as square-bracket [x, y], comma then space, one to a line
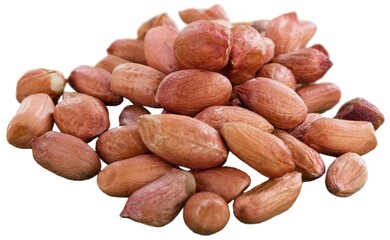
[248, 88]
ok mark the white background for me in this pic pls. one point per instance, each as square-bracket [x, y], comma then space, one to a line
[36, 204]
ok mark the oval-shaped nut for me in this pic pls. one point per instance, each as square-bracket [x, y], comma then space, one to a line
[206, 213]
[260, 25]
[120, 143]
[41, 80]
[189, 91]
[123, 178]
[346, 175]
[279, 73]
[216, 116]
[307, 161]
[110, 62]
[159, 202]
[130, 49]
[130, 114]
[65, 155]
[136, 82]
[33, 118]
[247, 54]
[336, 136]
[95, 82]
[227, 182]
[82, 116]
[285, 32]
[212, 13]
[182, 140]
[307, 64]
[359, 109]
[158, 47]
[162, 19]
[319, 97]
[300, 130]
[203, 45]
[274, 101]
[268, 199]
[263, 151]
[320, 48]
[270, 53]
[308, 29]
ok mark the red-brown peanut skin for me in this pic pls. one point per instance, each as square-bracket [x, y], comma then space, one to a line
[189, 91]
[308, 29]
[130, 49]
[270, 53]
[130, 114]
[162, 19]
[110, 62]
[212, 13]
[278, 73]
[182, 140]
[319, 97]
[274, 101]
[203, 45]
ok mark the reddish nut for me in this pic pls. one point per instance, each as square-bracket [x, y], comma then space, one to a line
[279, 73]
[110, 62]
[130, 114]
[320, 48]
[300, 130]
[270, 53]
[308, 29]
[160, 20]
[319, 97]
[213, 13]
[130, 49]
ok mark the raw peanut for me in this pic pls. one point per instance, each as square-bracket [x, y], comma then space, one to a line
[159, 202]
[95, 82]
[123, 178]
[110, 62]
[279, 73]
[158, 47]
[130, 114]
[262, 151]
[223, 23]
[136, 82]
[346, 175]
[320, 48]
[213, 13]
[33, 118]
[216, 116]
[189, 91]
[319, 97]
[307, 64]
[65, 155]
[300, 130]
[308, 29]
[160, 20]
[359, 109]
[274, 101]
[203, 45]
[227, 182]
[336, 136]
[120, 143]
[130, 49]
[259, 25]
[268, 199]
[285, 32]
[182, 140]
[206, 213]
[82, 116]
[307, 161]
[41, 80]
[270, 53]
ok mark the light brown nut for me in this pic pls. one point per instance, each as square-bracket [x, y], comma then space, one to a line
[247, 54]
[33, 118]
[268, 199]
[130, 49]
[227, 182]
[110, 62]
[320, 97]
[136, 82]
[346, 175]
[120, 143]
[320, 48]
[307, 64]
[359, 109]
[261, 26]
[159, 202]
[274, 101]
[82, 116]
[212, 13]
[206, 213]
[308, 29]
[95, 82]
[162, 19]
[203, 45]
[189, 91]
[130, 114]
[300, 130]
[336, 136]
[307, 161]
[65, 155]
[41, 80]
[270, 53]
[158, 47]
[216, 116]
[123, 178]
[182, 140]
[263, 151]
[279, 73]
[285, 32]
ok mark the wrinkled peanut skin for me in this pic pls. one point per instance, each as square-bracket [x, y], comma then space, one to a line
[319, 97]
